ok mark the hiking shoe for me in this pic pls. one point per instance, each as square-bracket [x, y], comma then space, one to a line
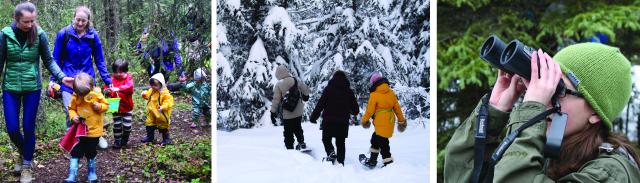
[26, 175]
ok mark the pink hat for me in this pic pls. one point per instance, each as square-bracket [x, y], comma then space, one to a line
[375, 76]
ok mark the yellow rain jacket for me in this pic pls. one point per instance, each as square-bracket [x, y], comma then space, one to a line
[156, 99]
[83, 107]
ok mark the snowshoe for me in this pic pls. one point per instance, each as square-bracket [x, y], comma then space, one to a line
[302, 147]
[371, 164]
[331, 158]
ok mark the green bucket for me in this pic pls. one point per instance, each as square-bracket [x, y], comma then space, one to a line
[114, 103]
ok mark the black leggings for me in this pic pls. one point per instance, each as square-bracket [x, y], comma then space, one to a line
[87, 147]
[328, 146]
[382, 144]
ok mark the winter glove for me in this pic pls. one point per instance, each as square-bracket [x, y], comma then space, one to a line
[366, 125]
[273, 118]
[402, 126]
[305, 98]
[314, 121]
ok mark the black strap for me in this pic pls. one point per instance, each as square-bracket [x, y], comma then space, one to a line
[295, 82]
[64, 46]
[495, 157]
[480, 139]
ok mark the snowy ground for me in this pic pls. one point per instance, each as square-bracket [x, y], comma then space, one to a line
[258, 155]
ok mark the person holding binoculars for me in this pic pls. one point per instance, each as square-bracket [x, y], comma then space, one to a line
[581, 90]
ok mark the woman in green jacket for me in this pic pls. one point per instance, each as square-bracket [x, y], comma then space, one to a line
[22, 46]
[598, 82]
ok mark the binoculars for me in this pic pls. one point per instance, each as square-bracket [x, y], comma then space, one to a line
[514, 58]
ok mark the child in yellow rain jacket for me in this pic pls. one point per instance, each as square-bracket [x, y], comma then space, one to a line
[88, 106]
[383, 106]
[159, 106]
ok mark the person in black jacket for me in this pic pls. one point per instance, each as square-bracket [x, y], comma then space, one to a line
[337, 104]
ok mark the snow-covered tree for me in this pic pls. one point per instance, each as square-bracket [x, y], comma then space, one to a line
[315, 39]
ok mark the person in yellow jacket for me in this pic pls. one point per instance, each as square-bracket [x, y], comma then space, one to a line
[159, 107]
[383, 107]
[88, 106]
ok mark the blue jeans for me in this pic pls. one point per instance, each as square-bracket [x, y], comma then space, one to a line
[12, 103]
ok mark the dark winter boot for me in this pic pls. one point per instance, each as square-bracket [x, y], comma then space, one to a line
[150, 133]
[373, 159]
[166, 140]
[387, 161]
[301, 146]
[331, 157]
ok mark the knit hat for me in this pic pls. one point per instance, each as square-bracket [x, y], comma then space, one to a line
[198, 74]
[375, 76]
[601, 73]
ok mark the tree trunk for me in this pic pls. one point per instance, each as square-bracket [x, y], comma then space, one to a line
[638, 128]
[354, 5]
[112, 26]
[255, 18]
[626, 121]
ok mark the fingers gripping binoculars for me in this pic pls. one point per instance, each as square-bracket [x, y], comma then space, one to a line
[515, 58]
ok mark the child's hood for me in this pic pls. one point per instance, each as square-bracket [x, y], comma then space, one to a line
[160, 78]
[92, 96]
[383, 88]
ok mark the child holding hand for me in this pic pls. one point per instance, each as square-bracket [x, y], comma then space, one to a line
[88, 106]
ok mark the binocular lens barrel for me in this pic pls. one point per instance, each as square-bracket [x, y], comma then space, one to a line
[517, 59]
[491, 50]
[514, 58]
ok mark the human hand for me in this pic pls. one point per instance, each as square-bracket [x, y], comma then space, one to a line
[68, 81]
[96, 106]
[542, 86]
[506, 91]
[366, 125]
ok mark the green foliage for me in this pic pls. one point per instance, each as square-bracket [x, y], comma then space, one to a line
[474, 4]
[189, 160]
[548, 25]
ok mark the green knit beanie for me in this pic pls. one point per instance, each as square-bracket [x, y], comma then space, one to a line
[601, 73]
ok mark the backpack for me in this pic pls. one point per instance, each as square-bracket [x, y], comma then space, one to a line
[291, 98]
[64, 45]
